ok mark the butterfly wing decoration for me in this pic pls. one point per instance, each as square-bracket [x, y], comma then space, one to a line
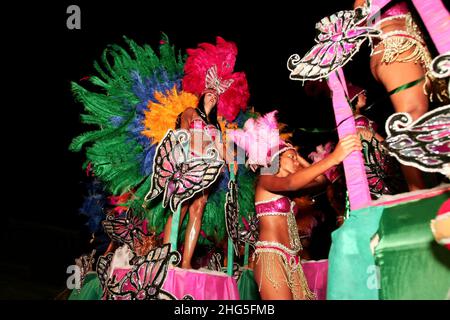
[128, 229]
[232, 214]
[340, 37]
[181, 178]
[423, 143]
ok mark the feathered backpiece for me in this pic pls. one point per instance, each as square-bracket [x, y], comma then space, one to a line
[260, 139]
[209, 68]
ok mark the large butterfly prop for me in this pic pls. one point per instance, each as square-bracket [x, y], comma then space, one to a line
[237, 271]
[340, 37]
[177, 175]
[424, 143]
[145, 279]
[247, 234]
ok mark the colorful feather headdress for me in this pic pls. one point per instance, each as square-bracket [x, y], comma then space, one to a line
[209, 68]
[261, 140]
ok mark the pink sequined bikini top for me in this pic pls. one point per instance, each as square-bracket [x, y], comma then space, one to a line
[279, 206]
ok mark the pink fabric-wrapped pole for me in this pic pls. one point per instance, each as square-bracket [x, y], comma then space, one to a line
[436, 19]
[355, 173]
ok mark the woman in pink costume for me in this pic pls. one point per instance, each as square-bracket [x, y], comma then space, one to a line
[278, 271]
[209, 74]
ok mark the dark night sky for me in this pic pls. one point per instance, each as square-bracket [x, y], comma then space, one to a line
[48, 193]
